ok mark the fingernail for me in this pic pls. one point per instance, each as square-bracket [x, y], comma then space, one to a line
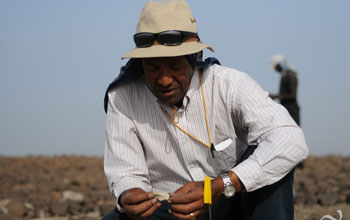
[169, 211]
[154, 201]
[150, 195]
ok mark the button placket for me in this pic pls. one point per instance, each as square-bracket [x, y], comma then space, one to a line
[186, 146]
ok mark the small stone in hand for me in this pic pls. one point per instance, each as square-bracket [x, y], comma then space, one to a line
[161, 196]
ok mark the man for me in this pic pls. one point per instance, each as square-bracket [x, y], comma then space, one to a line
[172, 120]
[288, 86]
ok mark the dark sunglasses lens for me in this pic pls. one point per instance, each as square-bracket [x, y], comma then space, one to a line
[144, 39]
[170, 38]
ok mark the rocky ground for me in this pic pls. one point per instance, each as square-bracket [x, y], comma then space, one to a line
[74, 187]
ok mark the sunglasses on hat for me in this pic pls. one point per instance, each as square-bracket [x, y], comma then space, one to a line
[166, 38]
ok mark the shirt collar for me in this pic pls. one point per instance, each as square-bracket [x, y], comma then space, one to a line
[194, 86]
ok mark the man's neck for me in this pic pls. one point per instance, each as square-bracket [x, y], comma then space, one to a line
[180, 103]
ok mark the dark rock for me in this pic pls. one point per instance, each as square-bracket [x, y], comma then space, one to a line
[327, 199]
[313, 217]
[75, 207]
[59, 208]
[89, 206]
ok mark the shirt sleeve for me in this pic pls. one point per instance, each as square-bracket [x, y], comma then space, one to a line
[293, 81]
[281, 143]
[124, 162]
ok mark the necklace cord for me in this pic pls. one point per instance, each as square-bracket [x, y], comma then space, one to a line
[211, 146]
[205, 109]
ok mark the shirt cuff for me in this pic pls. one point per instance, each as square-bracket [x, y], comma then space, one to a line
[250, 174]
[121, 210]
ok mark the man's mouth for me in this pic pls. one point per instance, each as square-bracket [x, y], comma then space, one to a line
[166, 93]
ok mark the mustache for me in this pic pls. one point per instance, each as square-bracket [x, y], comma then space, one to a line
[164, 89]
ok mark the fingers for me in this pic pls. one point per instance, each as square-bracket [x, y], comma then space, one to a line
[144, 210]
[186, 208]
[135, 196]
[188, 216]
[184, 198]
[188, 187]
[188, 193]
[139, 204]
[182, 205]
[140, 208]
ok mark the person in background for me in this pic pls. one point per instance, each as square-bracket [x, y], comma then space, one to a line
[174, 118]
[288, 86]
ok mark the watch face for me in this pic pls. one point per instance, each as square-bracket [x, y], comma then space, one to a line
[229, 191]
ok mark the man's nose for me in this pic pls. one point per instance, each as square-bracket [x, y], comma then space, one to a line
[165, 79]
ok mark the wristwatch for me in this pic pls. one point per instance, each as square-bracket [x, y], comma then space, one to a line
[229, 188]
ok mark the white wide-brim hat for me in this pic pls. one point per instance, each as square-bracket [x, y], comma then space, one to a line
[162, 16]
[280, 59]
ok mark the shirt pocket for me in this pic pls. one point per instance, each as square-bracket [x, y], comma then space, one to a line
[225, 159]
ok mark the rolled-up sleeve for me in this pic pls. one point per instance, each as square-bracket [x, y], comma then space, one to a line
[281, 143]
[124, 162]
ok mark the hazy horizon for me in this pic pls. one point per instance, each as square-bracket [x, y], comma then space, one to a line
[58, 57]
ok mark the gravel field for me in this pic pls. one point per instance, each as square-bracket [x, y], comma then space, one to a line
[74, 187]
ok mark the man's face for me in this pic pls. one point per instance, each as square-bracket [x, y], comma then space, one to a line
[278, 68]
[169, 77]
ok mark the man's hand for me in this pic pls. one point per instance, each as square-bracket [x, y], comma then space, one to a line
[138, 204]
[273, 96]
[189, 199]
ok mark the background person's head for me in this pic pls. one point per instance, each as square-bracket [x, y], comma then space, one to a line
[280, 63]
[278, 68]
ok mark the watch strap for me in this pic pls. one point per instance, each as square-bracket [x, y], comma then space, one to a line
[226, 179]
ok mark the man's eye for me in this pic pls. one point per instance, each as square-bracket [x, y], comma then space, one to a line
[151, 67]
[175, 66]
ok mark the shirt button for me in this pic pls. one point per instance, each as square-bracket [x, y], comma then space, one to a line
[192, 164]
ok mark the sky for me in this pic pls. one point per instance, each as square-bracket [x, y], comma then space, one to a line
[58, 57]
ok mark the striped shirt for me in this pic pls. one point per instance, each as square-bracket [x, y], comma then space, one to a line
[144, 149]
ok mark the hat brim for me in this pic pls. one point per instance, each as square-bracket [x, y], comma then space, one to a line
[167, 51]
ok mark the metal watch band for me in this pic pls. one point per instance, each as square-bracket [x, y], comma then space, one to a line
[226, 179]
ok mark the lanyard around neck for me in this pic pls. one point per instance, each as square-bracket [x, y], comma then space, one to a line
[210, 146]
